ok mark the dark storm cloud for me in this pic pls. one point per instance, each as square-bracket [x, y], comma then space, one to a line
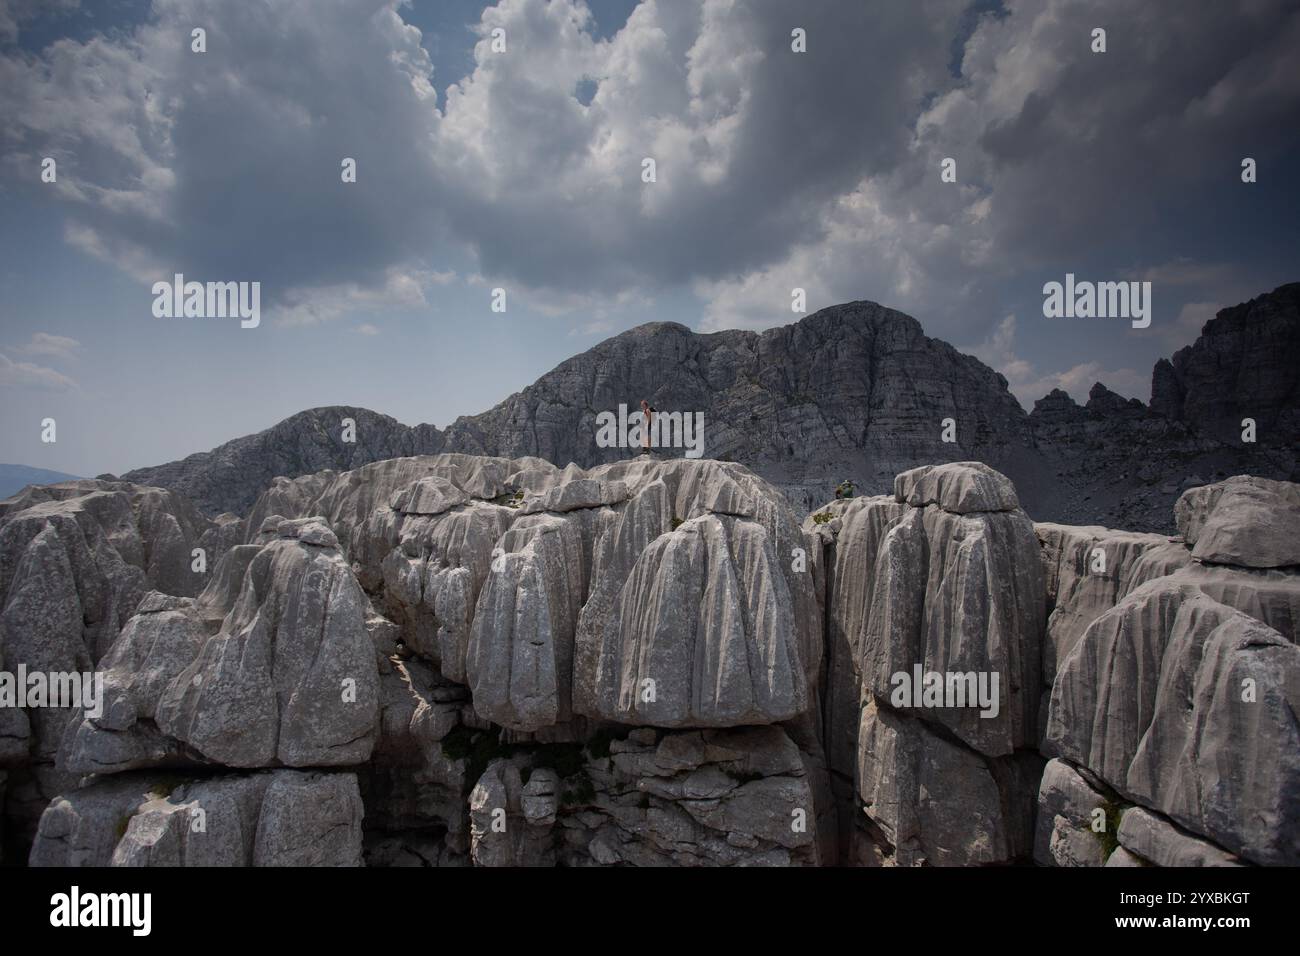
[715, 87]
[1069, 159]
[775, 169]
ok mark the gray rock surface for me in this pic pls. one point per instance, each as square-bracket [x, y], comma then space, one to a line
[472, 639]
[846, 537]
[519, 658]
[702, 633]
[963, 487]
[522, 580]
[75, 560]
[157, 644]
[275, 818]
[1088, 571]
[960, 594]
[1158, 842]
[1157, 698]
[937, 803]
[1242, 365]
[728, 797]
[511, 824]
[1166, 661]
[230, 477]
[15, 732]
[1122, 857]
[414, 793]
[290, 679]
[1065, 831]
[694, 587]
[954, 592]
[1118, 463]
[1246, 521]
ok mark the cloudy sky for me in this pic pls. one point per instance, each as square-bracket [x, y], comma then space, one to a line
[479, 168]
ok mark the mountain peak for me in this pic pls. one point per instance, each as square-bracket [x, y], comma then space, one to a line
[855, 389]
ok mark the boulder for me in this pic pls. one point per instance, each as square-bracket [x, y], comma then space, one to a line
[157, 644]
[1155, 840]
[275, 818]
[960, 596]
[519, 659]
[1065, 831]
[1157, 698]
[1246, 521]
[579, 493]
[937, 803]
[290, 679]
[961, 487]
[703, 633]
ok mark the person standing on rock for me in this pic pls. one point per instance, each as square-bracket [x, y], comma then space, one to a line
[647, 416]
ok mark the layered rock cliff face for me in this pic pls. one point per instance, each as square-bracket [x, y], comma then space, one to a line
[942, 577]
[1243, 365]
[75, 561]
[854, 391]
[495, 661]
[454, 660]
[1172, 709]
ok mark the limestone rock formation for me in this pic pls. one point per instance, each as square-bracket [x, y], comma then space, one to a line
[706, 551]
[848, 535]
[76, 558]
[1088, 570]
[1157, 842]
[964, 487]
[416, 784]
[162, 639]
[744, 796]
[290, 679]
[944, 579]
[936, 802]
[1244, 521]
[1156, 698]
[527, 588]
[519, 656]
[960, 594]
[1074, 817]
[272, 818]
[460, 660]
[512, 820]
[1196, 653]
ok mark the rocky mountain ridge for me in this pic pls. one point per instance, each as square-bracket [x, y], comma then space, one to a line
[857, 391]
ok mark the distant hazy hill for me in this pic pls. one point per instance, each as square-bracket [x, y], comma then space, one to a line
[13, 478]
